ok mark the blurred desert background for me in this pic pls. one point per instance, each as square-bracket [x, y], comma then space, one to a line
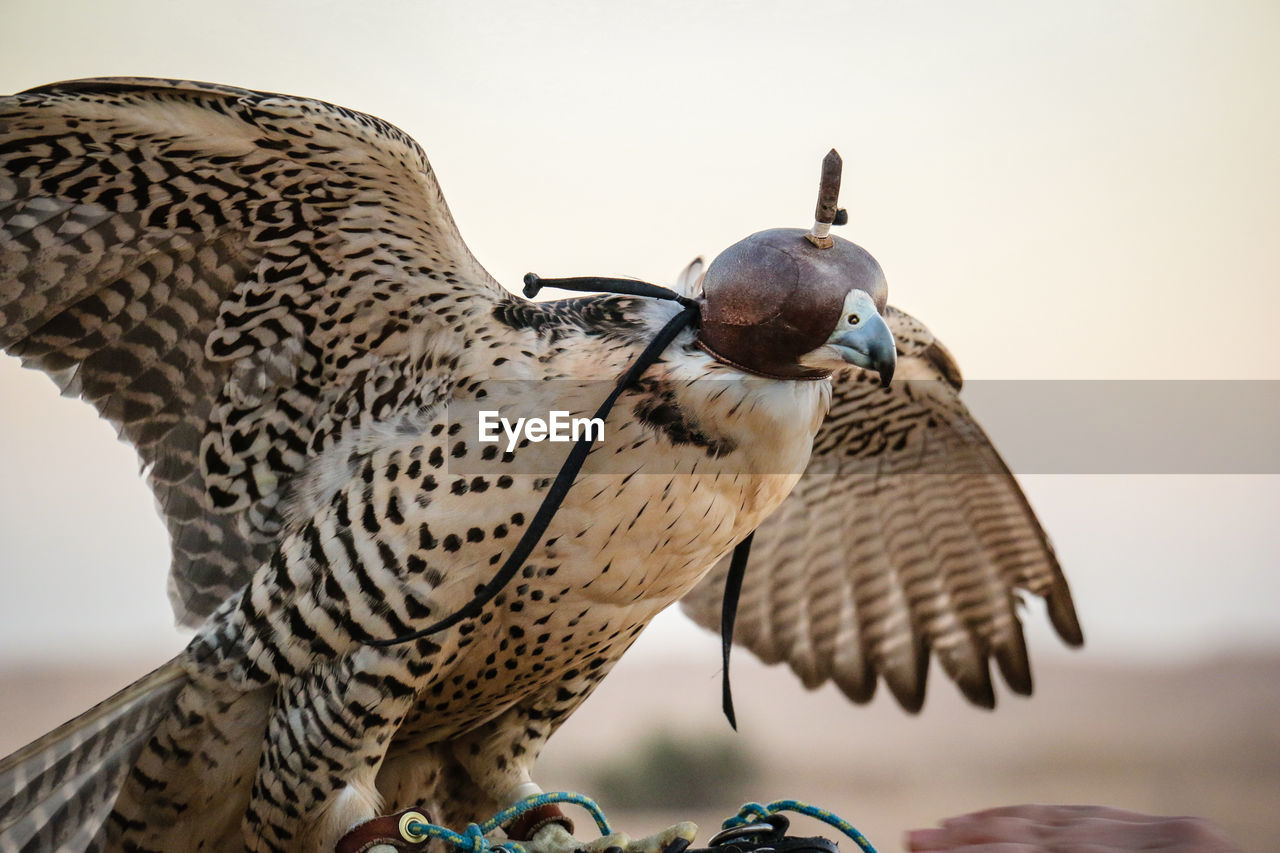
[1200, 738]
[1084, 191]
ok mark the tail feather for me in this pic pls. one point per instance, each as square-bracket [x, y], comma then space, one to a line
[56, 792]
[69, 822]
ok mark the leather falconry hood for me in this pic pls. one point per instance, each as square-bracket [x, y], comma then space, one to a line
[778, 294]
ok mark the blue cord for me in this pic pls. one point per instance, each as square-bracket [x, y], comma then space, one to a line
[753, 812]
[472, 839]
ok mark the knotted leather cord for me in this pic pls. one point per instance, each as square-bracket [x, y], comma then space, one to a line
[573, 464]
[591, 284]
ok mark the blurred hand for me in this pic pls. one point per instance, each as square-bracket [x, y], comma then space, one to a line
[1078, 829]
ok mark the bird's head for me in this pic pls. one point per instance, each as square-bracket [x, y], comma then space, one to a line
[795, 304]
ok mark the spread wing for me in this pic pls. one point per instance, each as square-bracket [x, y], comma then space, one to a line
[907, 534]
[233, 279]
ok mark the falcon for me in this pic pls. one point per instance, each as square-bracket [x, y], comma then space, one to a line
[268, 297]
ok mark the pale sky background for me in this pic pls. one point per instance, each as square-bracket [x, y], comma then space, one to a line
[1075, 190]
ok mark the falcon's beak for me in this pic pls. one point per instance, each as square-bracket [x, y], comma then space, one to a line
[870, 344]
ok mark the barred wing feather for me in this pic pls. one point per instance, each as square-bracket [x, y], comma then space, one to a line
[906, 536]
[233, 279]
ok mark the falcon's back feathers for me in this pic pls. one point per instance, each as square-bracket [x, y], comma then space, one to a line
[907, 534]
[233, 279]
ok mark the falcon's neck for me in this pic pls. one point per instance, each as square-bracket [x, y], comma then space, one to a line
[725, 418]
[768, 423]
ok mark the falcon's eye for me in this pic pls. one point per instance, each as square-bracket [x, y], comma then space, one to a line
[854, 319]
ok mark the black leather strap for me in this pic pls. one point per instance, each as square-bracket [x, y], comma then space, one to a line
[729, 612]
[768, 835]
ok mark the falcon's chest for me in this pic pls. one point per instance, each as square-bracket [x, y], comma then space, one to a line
[687, 466]
[654, 509]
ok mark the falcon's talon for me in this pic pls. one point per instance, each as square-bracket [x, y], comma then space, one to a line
[554, 839]
[684, 832]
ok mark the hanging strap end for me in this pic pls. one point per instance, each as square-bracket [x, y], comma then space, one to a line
[727, 706]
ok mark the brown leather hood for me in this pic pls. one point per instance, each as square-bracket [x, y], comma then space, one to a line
[774, 296]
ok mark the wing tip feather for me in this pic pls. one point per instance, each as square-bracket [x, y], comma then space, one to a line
[908, 685]
[1062, 612]
[977, 687]
[1015, 665]
[859, 692]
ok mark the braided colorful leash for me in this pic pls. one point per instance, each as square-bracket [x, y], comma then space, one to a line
[415, 827]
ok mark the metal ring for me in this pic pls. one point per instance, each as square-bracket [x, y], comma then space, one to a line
[406, 820]
[734, 833]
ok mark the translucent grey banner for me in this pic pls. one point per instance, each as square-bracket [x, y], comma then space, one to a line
[914, 427]
[1131, 426]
